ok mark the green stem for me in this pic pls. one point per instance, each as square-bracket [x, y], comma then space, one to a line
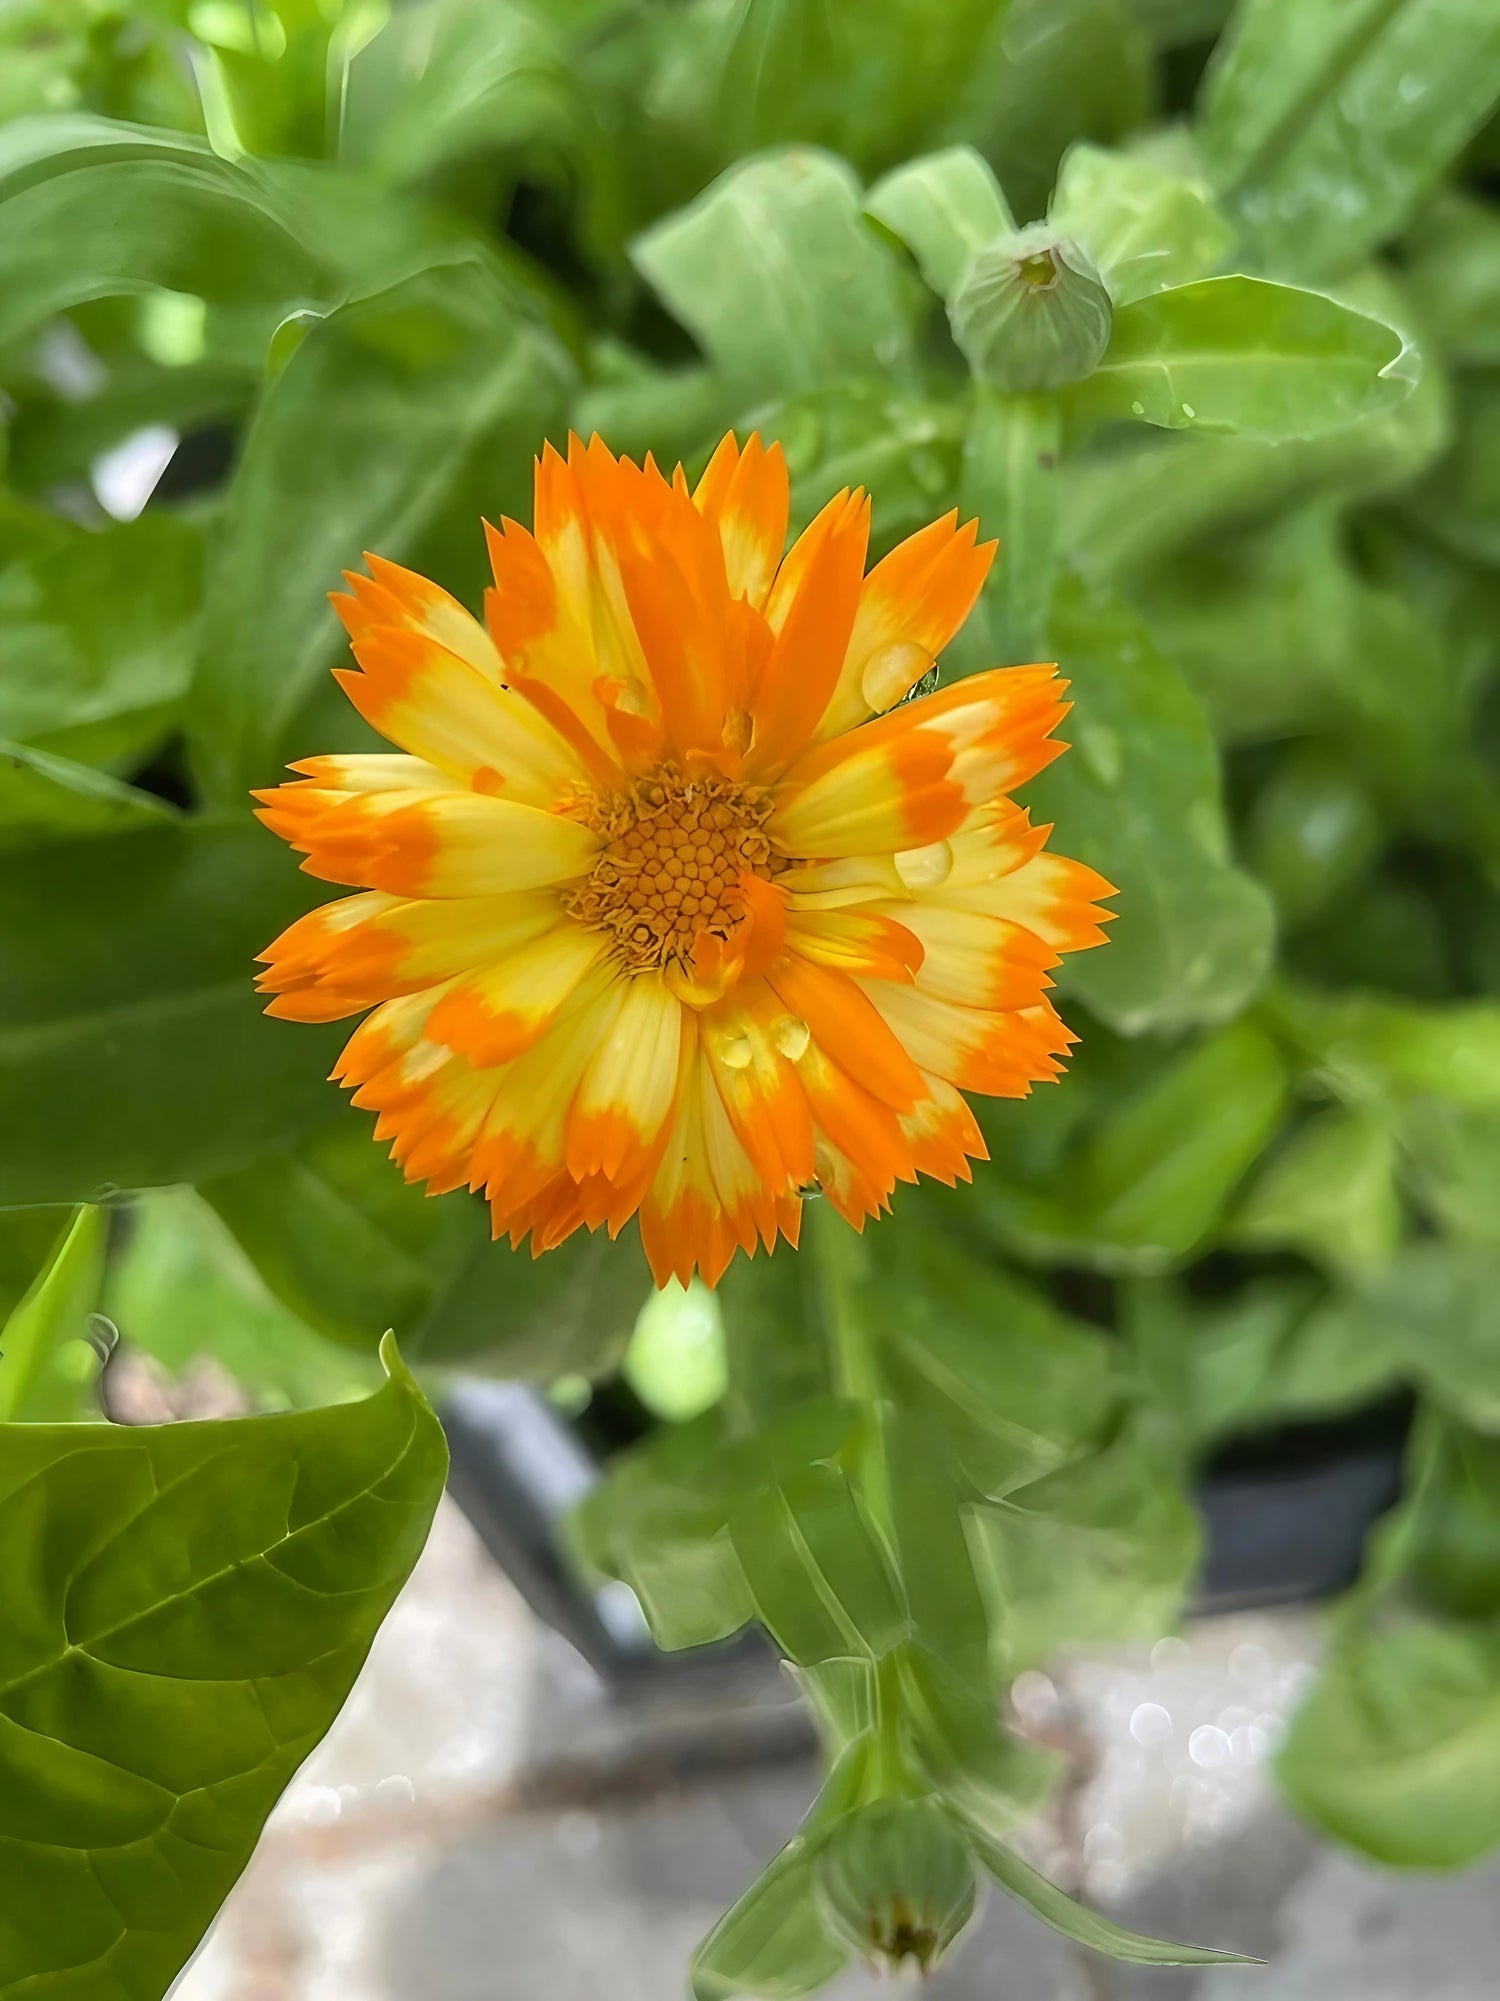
[835, 1251]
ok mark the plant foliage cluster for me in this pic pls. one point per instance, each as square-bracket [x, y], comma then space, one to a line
[1242, 451]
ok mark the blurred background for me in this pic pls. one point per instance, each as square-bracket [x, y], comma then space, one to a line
[284, 279]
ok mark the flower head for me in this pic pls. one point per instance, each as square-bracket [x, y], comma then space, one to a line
[669, 901]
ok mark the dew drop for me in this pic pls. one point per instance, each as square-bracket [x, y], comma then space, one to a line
[925, 868]
[890, 673]
[737, 1053]
[1188, 410]
[1138, 409]
[791, 1036]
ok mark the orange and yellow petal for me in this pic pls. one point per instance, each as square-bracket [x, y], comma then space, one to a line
[910, 606]
[746, 496]
[495, 1013]
[427, 844]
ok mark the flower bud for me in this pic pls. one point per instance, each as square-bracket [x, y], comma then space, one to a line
[1031, 311]
[897, 1881]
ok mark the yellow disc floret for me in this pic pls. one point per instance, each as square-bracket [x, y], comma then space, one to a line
[677, 848]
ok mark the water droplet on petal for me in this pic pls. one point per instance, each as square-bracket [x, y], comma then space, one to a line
[791, 1035]
[925, 868]
[737, 1053]
[890, 673]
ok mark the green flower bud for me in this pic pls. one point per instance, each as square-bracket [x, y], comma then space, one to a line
[1031, 311]
[897, 1881]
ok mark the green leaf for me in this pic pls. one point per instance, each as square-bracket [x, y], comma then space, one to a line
[1058, 71]
[97, 634]
[943, 208]
[1453, 1163]
[774, 272]
[1145, 227]
[177, 1642]
[446, 81]
[1453, 267]
[43, 797]
[1325, 121]
[55, 1311]
[903, 449]
[1436, 1306]
[1314, 830]
[675, 1362]
[133, 1051]
[385, 430]
[1019, 1880]
[1330, 1193]
[337, 1233]
[1397, 1750]
[991, 1778]
[1451, 1546]
[1249, 357]
[817, 1574]
[775, 1944]
[1138, 798]
[660, 1523]
[1012, 1407]
[1371, 1050]
[182, 1291]
[922, 1487]
[1459, 501]
[1098, 1552]
[1278, 1350]
[1011, 456]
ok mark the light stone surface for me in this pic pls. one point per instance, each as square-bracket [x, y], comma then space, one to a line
[484, 1825]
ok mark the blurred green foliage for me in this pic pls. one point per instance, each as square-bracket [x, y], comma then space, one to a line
[353, 263]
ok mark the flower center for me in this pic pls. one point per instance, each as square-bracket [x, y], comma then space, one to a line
[677, 848]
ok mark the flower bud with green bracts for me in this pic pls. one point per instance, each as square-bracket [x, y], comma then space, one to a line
[1031, 312]
[897, 1881]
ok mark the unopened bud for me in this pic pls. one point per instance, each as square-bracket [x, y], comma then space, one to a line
[1031, 312]
[897, 1881]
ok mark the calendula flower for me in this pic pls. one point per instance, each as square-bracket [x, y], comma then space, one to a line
[670, 902]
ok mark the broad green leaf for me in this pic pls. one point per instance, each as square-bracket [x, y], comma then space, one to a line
[1138, 798]
[1370, 1049]
[1242, 355]
[1454, 268]
[921, 1485]
[28, 1240]
[1011, 455]
[1314, 830]
[993, 1779]
[1435, 1305]
[1459, 501]
[775, 1347]
[397, 420]
[903, 449]
[53, 1313]
[1058, 71]
[177, 1642]
[774, 1944]
[337, 1233]
[1453, 1163]
[1145, 227]
[1277, 1350]
[182, 1291]
[97, 635]
[660, 1522]
[1098, 1552]
[1149, 1183]
[1015, 1384]
[943, 207]
[1330, 1193]
[445, 81]
[774, 272]
[1325, 121]
[1085, 1927]
[817, 1573]
[44, 797]
[1451, 1546]
[1397, 1750]
[133, 1050]
[1278, 634]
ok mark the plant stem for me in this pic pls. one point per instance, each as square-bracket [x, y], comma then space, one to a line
[835, 1251]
